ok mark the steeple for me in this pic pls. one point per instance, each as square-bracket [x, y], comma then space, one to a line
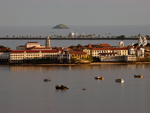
[140, 41]
[47, 42]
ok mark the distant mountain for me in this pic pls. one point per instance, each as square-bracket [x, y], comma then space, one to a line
[61, 26]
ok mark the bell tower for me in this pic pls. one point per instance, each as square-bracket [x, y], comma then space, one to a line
[47, 42]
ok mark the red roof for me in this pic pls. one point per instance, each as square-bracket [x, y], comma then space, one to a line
[77, 52]
[109, 49]
[105, 45]
[107, 53]
[32, 42]
[4, 49]
[30, 48]
[34, 51]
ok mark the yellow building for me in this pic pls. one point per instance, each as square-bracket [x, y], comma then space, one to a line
[78, 55]
[88, 51]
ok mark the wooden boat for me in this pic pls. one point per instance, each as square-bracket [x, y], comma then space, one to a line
[47, 79]
[62, 87]
[99, 78]
[120, 80]
[138, 76]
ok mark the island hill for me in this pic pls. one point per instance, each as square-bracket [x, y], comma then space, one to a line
[61, 26]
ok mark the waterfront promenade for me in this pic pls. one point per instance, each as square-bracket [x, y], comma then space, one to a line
[58, 38]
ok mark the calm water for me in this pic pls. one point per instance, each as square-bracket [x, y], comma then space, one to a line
[127, 30]
[22, 89]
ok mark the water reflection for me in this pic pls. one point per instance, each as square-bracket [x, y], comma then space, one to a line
[83, 67]
[25, 91]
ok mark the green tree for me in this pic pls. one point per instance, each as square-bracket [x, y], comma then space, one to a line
[79, 45]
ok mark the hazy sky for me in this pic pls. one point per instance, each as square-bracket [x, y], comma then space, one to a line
[74, 12]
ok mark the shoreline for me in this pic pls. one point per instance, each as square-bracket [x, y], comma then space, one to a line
[95, 63]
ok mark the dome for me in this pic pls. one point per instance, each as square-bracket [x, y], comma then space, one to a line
[121, 43]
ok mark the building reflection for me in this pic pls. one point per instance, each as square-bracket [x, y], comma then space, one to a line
[81, 67]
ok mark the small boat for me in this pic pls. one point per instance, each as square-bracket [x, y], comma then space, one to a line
[120, 80]
[138, 76]
[47, 79]
[62, 87]
[99, 78]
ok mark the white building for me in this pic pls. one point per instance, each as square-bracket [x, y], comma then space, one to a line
[138, 52]
[4, 56]
[35, 45]
[20, 56]
[119, 51]
[71, 34]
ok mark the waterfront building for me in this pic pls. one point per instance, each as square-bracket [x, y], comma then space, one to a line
[120, 51]
[130, 58]
[78, 54]
[4, 56]
[20, 56]
[111, 57]
[139, 52]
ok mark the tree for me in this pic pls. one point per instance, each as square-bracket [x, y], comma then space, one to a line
[147, 36]
[79, 45]
[139, 35]
[121, 36]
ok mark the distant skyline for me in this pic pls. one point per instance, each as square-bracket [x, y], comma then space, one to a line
[74, 12]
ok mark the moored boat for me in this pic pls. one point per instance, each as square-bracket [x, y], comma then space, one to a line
[120, 80]
[99, 78]
[138, 76]
[47, 79]
[62, 87]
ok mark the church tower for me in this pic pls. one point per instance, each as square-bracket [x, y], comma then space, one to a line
[47, 42]
[144, 41]
[140, 41]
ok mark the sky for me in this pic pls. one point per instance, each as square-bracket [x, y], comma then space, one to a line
[74, 12]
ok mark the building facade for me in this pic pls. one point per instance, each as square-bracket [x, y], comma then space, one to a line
[120, 51]
[20, 56]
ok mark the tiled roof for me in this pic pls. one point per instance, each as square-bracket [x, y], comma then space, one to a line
[37, 48]
[34, 51]
[109, 49]
[3, 50]
[107, 53]
[32, 42]
[22, 46]
[105, 45]
[77, 52]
